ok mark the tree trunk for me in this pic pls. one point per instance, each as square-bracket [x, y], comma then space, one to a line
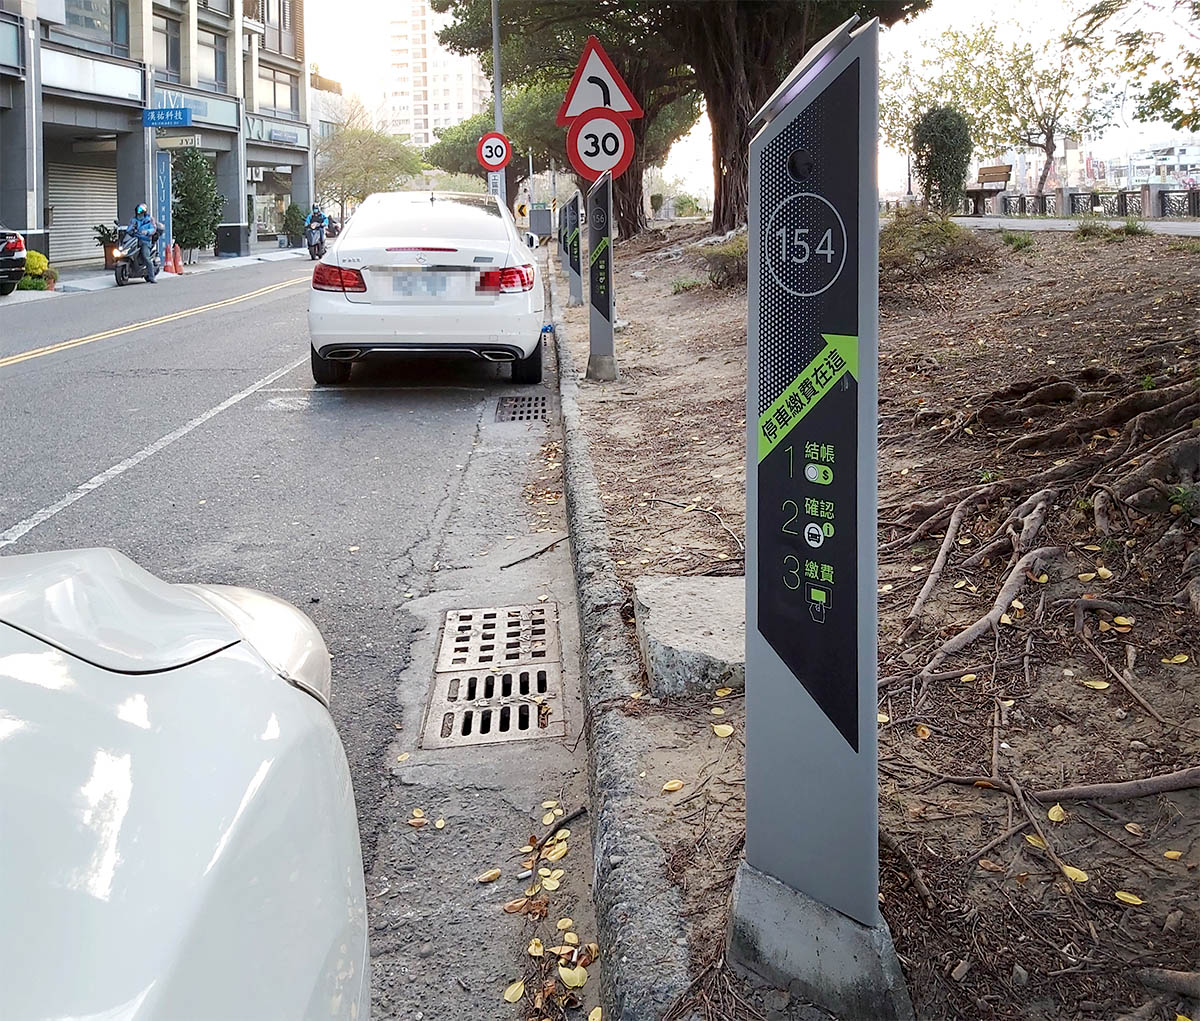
[1048, 148]
[731, 163]
[629, 205]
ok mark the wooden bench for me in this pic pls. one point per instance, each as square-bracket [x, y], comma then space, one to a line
[991, 181]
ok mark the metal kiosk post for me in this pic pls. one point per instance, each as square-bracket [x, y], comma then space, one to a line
[573, 256]
[602, 361]
[805, 901]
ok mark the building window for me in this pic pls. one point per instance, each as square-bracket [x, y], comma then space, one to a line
[278, 93]
[326, 128]
[166, 48]
[223, 6]
[211, 50]
[101, 25]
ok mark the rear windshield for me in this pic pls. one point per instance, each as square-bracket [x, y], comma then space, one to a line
[418, 215]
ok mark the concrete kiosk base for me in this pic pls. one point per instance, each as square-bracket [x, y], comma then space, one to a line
[816, 953]
[602, 368]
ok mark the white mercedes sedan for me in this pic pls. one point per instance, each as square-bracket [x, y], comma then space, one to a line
[427, 273]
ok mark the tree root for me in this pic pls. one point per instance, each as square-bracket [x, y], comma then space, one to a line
[1163, 783]
[910, 867]
[1031, 513]
[952, 530]
[1143, 489]
[1087, 604]
[1183, 983]
[1008, 592]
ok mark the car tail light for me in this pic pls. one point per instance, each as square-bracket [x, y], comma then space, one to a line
[512, 280]
[333, 278]
[17, 244]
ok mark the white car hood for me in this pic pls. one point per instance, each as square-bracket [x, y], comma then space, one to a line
[173, 845]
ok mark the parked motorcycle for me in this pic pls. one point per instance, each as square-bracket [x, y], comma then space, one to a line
[128, 257]
[314, 239]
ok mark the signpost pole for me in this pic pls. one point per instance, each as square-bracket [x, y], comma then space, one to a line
[574, 276]
[602, 361]
[805, 902]
[499, 108]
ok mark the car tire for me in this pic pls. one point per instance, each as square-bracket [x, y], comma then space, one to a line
[529, 370]
[8, 287]
[327, 371]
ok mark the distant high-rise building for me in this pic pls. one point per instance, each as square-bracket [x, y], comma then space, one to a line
[430, 87]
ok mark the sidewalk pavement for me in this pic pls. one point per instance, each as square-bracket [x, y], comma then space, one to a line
[87, 278]
[1182, 228]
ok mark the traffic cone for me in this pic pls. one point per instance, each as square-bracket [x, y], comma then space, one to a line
[167, 267]
[177, 258]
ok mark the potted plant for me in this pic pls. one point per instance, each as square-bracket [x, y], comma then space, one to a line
[50, 275]
[106, 237]
[293, 224]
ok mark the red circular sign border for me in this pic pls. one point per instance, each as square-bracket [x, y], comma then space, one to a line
[576, 128]
[507, 150]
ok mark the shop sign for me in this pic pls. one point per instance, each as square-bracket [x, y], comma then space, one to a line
[259, 129]
[211, 110]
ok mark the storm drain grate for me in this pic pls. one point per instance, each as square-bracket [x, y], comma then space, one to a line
[499, 636]
[523, 409]
[474, 707]
[498, 677]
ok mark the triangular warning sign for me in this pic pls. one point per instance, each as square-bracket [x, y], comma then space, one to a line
[597, 86]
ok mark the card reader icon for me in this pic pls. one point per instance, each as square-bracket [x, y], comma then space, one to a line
[819, 599]
[821, 474]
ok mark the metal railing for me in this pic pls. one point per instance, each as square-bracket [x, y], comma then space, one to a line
[1180, 203]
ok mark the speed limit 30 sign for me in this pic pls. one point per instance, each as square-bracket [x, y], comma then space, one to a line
[600, 141]
[493, 151]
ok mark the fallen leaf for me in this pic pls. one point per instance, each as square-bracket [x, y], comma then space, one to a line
[1008, 703]
[514, 907]
[1016, 604]
[1092, 549]
[404, 756]
[515, 991]
[1037, 841]
[547, 819]
[418, 823]
[968, 678]
[923, 732]
[563, 924]
[550, 884]
[549, 804]
[544, 873]
[418, 813]
[722, 692]
[1041, 579]
[885, 588]
[1173, 855]
[965, 541]
[490, 876]
[1089, 576]
[1056, 813]
[571, 938]
[1135, 829]
[557, 852]
[353, 549]
[990, 866]
[1123, 621]
[440, 824]
[722, 729]
[562, 834]
[573, 978]
[1104, 626]
[596, 1012]
[1176, 660]
[1074, 874]
[1005, 618]
[671, 786]
[884, 718]
[1096, 685]
[559, 813]
[526, 849]
[534, 890]
[1182, 1017]
[535, 948]
[562, 951]
[717, 711]
[1103, 573]
[558, 873]
[961, 583]
[1128, 898]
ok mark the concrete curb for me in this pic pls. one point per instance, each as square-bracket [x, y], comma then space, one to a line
[645, 963]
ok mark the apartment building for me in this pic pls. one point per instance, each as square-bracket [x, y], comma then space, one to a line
[430, 87]
[96, 94]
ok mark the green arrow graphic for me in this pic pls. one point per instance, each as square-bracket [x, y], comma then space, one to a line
[837, 357]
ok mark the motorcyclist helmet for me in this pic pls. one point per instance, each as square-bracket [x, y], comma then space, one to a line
[316, 208]
[141, 209]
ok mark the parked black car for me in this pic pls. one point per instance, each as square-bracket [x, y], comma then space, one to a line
[12, 259]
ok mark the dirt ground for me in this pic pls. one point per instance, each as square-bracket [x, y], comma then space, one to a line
[1040, 465]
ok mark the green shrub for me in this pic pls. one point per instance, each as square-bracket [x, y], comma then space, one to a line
[197, 204]
[941, 149]
[1185, 246]
[918, 243]
[1017, 240]
[28, 283]
[1133, 227]
[35, 263]
[1092, 227]
[685, 284]
[685, 205]
[656, 203]
[726, 261]
[293, 221]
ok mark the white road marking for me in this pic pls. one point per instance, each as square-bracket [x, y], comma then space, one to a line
[11, 535]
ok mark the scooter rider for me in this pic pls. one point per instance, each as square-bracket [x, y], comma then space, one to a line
[315, 218]
[143, 227]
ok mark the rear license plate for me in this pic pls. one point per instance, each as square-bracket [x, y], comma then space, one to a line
[432, 284]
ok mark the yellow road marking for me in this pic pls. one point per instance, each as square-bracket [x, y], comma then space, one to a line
[38, 352]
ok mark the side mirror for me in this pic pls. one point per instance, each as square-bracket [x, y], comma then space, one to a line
[531, 239]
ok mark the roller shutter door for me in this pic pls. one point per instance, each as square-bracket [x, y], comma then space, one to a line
[81, 197]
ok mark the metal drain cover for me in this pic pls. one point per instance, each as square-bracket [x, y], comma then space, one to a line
[499, 636]
[475, 707]
[498, 677]
[523, 409]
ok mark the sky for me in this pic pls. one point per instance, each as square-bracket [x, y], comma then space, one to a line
[348, 51]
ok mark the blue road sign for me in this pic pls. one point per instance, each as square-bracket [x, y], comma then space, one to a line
[166, 117]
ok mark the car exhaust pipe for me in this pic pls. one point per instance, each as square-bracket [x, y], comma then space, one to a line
[499, 356]
[342, 354]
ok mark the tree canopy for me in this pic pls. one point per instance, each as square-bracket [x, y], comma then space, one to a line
[356, 159]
